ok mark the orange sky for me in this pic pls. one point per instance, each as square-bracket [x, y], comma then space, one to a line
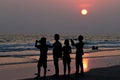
[37, 16]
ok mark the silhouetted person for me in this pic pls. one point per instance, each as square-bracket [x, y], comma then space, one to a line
[66, 56]
[79, 54]
[94, 48]
[57, 53]
[41, 44]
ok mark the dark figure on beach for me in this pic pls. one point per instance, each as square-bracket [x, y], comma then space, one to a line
[57, 53]
[66, 56]
[79, 54]
[41, 44]
[94, 48]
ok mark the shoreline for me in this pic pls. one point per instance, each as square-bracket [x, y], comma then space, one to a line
[94, 68]
[36, 52]
[32, 58]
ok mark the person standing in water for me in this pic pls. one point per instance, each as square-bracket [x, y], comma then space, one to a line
[79, 53]
[66, 56]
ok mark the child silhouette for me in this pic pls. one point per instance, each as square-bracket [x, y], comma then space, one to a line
[43, 55]
[57, 53]
[66, 56]
[79, 54]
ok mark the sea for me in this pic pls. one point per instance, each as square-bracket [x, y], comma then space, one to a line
[25, 42]
[20, 48]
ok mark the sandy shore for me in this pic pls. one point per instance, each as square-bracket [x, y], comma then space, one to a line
[103, 65]
[8, 58]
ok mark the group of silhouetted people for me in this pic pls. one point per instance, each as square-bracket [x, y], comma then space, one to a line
[60, 52]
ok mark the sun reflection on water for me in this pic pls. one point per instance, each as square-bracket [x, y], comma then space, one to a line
[85, 65]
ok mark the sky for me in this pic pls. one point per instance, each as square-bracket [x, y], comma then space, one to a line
[59, 16]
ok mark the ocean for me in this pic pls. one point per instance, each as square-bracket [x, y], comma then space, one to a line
[19, 48]
[23, 42]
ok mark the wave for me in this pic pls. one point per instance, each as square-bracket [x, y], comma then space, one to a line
[30, 46]
[24, 42]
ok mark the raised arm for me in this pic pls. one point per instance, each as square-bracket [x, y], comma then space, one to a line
[36, 45]
[70, 50]
[72, 42]
[50, 45]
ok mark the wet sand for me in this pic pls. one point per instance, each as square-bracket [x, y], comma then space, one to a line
[104, 65]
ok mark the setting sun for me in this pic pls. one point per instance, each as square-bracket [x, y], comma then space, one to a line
[84, 12]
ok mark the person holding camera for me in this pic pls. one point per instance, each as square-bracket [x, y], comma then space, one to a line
[41, 44]
[79, 53]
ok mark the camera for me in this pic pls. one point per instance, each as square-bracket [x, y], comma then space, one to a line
[38, 41]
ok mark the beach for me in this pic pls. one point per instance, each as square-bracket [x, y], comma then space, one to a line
[98, 65]
[30, 28]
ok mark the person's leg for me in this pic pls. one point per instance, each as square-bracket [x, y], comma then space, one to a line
[64, 63]
[82, 69]
[44, 71]
[69, 68]
[45, 66]
[56, 66]
[77, 65]
[38, 68]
